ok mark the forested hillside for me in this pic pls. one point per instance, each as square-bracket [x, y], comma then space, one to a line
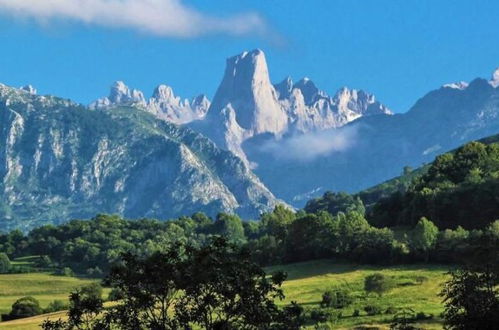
[459, 188]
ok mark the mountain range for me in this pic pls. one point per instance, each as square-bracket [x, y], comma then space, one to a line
[166, 156]
[60, 160]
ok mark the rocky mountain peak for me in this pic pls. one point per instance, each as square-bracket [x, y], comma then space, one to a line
[284, 88]
[121, 93]
[163, 92]
[30, 89]
[309, 90]
[247, 88]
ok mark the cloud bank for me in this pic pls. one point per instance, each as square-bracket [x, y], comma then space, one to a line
[168, 18]
[309, 146]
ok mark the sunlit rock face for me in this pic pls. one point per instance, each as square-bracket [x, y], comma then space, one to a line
[60, 160]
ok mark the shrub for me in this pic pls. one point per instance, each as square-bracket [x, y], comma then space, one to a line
[66, 271]
[372, 310]
[320, 315]
[4, 263]
[55, 306]
[337, 299]
[23, 307]
[377, 283]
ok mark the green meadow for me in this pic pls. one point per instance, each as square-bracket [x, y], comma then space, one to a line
[307, 282]
[416, 287]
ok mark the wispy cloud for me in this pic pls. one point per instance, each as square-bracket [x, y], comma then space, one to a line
[312, 145]
[169, 18]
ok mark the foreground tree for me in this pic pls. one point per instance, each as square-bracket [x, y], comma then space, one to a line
[213, 287]
[471, 300]
[224, 289]
[148, 289]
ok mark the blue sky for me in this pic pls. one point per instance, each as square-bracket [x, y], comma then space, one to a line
[398, 50]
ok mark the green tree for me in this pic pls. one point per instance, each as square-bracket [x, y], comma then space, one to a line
[25, 307]
[4, 263]
[229, 226]
[471, 300]
[148, 288]
[424, 237]
[225, 290]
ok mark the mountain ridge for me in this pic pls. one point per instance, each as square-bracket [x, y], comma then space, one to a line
[61, 160]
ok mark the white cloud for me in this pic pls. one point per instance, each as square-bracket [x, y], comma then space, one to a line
[170, 18]
[309, 146]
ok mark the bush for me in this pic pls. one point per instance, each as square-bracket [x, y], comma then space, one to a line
[4, 263]
[372, 310]
[355, 313]
[377, 283]
[337, 299]
[92, 290]
[55, 306]
[320, 315]
[23, 307]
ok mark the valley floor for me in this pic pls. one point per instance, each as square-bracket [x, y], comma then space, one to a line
[417, 287]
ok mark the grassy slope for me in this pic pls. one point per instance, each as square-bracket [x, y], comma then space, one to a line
[43, 286]
[306, 283]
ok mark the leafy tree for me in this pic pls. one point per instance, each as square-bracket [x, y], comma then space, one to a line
[225, 290]
[336, 299]
[85, 312]
[335, 203]
[24, 307]
[377, 283]
[4, 263]
[424, 236]
[471, 300]
[278, 221]
[311, 236]
[229, 226]
[148, 288]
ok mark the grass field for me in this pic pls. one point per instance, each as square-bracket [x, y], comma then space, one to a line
[306, 283]
[43, 286]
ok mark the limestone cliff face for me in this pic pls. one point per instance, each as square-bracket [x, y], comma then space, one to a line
[60, 160]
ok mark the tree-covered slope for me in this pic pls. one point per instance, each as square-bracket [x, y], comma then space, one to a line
[460, 187]
[60, 160]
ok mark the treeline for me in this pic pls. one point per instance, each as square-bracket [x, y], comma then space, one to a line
[459, 188]
[282, 236]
